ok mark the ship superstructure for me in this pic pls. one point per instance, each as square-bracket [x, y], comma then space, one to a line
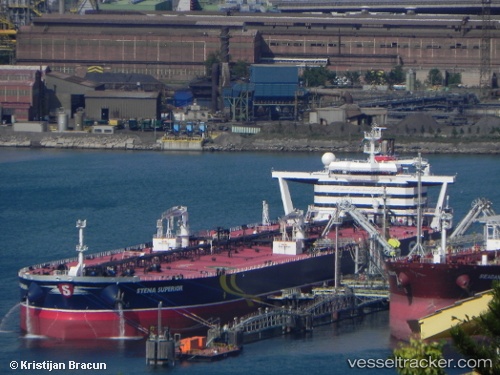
[381, 186]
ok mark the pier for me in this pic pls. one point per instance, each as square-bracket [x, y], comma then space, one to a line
[299, 313]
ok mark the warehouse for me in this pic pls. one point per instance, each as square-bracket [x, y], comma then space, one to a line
[67, 92]
[106, 105]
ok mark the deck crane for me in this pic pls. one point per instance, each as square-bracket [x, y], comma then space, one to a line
[168, 240]
[479, 206]
[296, 220]
[295, 244]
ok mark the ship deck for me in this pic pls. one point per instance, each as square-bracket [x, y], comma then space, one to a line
[205, 262]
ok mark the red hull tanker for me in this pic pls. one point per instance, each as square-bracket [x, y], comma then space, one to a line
[422, 285]
[227, 273]
[221, 275]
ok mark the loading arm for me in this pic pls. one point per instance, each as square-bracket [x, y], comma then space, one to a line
[436, 220]
[479, 206]
[361, 219]
[334, 219]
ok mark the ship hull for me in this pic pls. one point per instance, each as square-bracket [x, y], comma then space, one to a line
[90, 308]
[130, 324]
[420, 289]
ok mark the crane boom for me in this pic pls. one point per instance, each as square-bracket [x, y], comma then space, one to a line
[479, 206]
[362, 220]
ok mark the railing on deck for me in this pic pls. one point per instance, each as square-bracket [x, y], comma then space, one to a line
[102, 254]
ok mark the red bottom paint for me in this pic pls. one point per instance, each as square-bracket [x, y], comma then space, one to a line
[402, 312]
[107, 324]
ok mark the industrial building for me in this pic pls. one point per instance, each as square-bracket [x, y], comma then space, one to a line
[86, 53]
[169, 51]
[109, 104]
[103, 96]
[124, 81]
[21, 92]
[274, 92]
[348, 113]
[67, 93]
[33, 93]
[173, 47]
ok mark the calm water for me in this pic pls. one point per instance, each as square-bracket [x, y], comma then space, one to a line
[122, 194]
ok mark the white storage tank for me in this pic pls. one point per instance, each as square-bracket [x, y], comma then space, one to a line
[62, 120]
[411, 78]
[79, 119]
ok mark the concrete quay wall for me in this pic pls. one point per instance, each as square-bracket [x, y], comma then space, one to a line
[75, 141]
[235, 143]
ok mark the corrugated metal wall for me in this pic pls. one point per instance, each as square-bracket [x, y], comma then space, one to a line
[274, 74]
[122, 108]
[60, 92]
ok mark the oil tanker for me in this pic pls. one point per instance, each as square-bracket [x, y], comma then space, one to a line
[444, 273]
[224, 273]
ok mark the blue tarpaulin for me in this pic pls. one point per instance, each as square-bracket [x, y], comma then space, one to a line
[183, 98]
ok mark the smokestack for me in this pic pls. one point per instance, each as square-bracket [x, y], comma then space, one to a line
[215, 86]
[224, 45]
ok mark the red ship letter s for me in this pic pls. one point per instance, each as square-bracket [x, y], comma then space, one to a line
[66, 289]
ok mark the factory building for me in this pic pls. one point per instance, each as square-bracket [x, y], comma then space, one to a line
[66, 93]
[22, 96]
[274, 92]
[153, 45]
[111, 104]
[173, 47]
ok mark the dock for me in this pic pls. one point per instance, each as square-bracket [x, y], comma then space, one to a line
[296, 312]
[301, 312]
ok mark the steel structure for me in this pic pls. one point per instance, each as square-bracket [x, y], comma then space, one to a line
[22, 12]
[485, 49]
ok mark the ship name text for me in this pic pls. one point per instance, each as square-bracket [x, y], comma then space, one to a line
[160, 289]
[484, 276]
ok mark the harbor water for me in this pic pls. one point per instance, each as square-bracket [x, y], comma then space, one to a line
[122, 194]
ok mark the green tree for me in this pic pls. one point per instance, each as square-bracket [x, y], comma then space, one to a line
[454, 78]
[375, 77]
[435, 77]
[481, 339]
[410, 358]
[353, 77]
[396, 75]
[318, 76]
[240, 69]
[212, 58]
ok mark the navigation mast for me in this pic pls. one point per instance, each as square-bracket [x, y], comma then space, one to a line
[80, 248]
[418, 249]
